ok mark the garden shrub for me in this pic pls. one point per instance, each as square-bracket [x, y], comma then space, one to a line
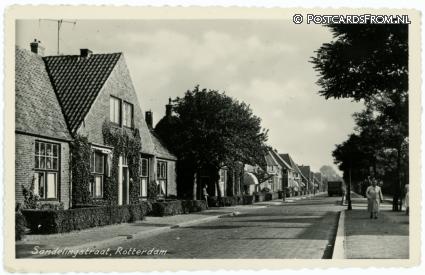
[190, 206]
[214, 201]
[20, 226]
[269, 196]
[259, 197]
[166, 208]
[247, 199]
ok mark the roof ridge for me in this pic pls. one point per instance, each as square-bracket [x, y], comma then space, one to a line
[77, 55]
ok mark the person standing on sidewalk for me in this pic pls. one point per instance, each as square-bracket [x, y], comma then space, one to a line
[374, 198]
[406, 198]
[205, 194]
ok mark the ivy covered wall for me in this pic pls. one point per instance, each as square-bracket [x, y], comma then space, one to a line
[80, 169]
[126, 142]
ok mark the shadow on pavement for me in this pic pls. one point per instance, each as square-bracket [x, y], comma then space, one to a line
[358, 222]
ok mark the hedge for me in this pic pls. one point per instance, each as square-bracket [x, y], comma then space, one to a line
[60, 221]
[20, 226]
[215, 201]
[190, 206]
[269, 196]
[260, 197]
[177, 207]
[166, 208]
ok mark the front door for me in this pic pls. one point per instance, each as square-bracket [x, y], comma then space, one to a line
[123, 183]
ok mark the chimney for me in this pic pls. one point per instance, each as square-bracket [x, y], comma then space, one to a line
[149, 119]
[85, 53]
[168, 108]
[37, 48]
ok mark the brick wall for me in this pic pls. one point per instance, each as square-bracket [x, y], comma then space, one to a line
[119, 84]
[24, 166]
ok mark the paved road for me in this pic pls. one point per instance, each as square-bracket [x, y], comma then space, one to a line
[302, 229]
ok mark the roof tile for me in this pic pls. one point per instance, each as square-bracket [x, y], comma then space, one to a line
[77, 82]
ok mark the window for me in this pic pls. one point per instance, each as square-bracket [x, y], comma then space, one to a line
[162, 177]
[128, 115]
[144, 177]
[115, 110]
[46, 165]
[98, 170]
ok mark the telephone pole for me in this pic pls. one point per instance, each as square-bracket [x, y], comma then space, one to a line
[59, 22]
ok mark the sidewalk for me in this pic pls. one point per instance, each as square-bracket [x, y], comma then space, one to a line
[384, 238]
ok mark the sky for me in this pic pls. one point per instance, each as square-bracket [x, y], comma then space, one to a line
[264, 63]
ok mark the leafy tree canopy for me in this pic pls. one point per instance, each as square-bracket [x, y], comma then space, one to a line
[213, 129]
[363, 62]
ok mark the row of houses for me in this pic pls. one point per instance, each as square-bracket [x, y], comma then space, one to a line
[286, 175]
[60, 98]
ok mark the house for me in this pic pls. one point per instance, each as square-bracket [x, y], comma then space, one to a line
[287, 170]
[93, 97]
[165, 160]
[274, 169]
[41, 134]
[319, 181]
[296, 178]
[306, 171]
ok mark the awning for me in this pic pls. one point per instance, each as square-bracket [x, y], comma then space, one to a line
[295, 186]
[302, 184]
[249, 179]
[316, 185]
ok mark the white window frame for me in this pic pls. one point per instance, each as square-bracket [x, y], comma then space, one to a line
[115, 110]
[144, 178]
[128, 114]
[39, 155]
[93, 188]
[162, 177]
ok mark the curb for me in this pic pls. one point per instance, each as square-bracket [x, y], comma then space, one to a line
[339, 251]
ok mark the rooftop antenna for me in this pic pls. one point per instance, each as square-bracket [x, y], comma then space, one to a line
[59, 22]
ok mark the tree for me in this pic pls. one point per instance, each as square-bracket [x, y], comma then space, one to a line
[369, 63]
[329, 173]
[211, 130]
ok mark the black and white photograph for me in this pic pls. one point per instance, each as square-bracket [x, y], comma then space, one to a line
[216, 138]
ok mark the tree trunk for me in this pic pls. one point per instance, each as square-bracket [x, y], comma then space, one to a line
[217, 182]
[195, 186]
[397, 184]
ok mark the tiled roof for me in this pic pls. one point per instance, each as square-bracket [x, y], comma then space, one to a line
[289, 160]
[77, 81]
[270, 161]
[281, 161]
[37, 109]
[160, 150]
[305, 170]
